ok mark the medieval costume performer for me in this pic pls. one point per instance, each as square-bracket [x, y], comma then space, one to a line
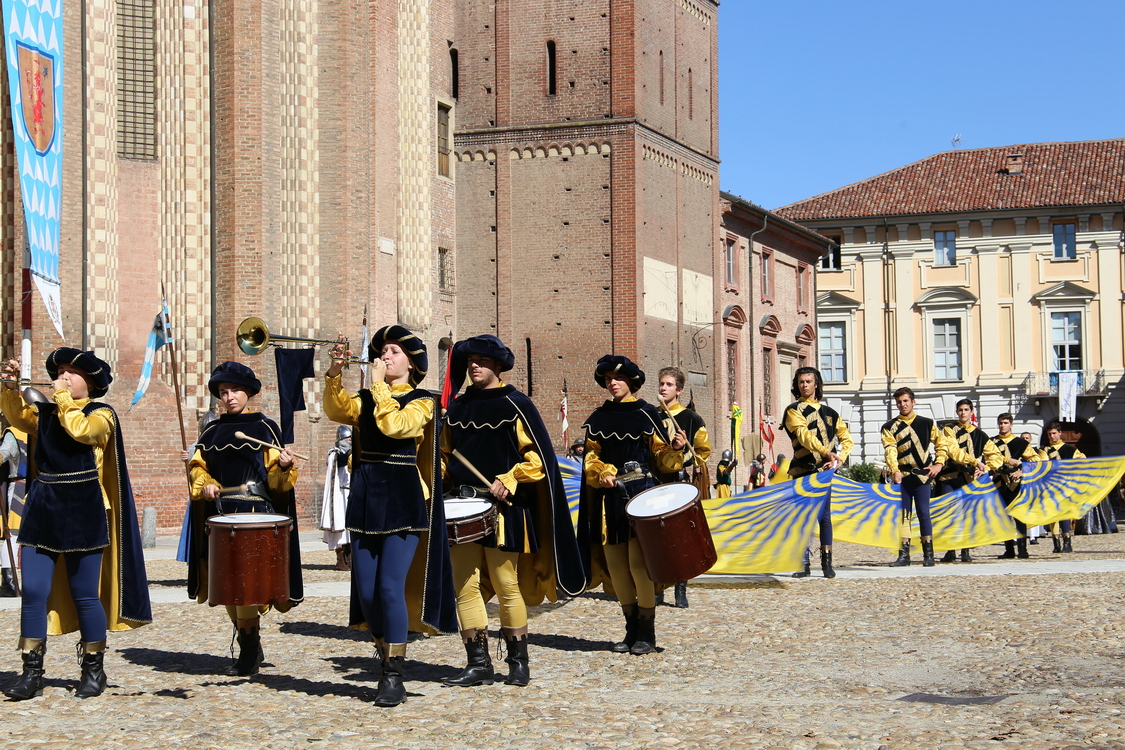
[230, 474]
[401, 576]
[13, 466]
[821, 441]
[724, 472]
[671, 382]
[79, 508]
[624, 452]
[1056, 450]
[907, 442]
[531, 553]
[971, 454]
[1014, 451]
[333, 508]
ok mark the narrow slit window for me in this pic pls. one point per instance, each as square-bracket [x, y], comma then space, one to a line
[454, 73]
[552, 70]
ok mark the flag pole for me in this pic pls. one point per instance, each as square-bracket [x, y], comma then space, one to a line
[175, 381]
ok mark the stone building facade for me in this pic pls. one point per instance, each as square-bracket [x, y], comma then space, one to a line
[980, 273]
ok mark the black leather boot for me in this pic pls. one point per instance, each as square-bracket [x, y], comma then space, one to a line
[903, 558]
[30, 683]
[392, 690]
[646, 632]
[8, 583]
[808, 568]
[1021, 549]
[249, 653]
[965, 556]
[1066, 545]
[1058, 544]
[1009, 551]
[623, 647]
[519, 674]
[927, 553]
[681, 595]
[478, 670]
[950, 556]
[660, 597]
[91, 658]
[826, 564]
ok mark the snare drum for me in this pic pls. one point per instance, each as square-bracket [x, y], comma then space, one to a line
[248, 559]
[468, 519]
[672, 530]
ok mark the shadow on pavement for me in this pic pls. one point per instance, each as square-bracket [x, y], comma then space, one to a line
[366, 669]
[566, 642]
[173, 583]
[176, 661]
[323, 630]
[7, 679]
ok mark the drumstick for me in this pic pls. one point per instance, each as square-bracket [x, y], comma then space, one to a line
[243, 436]
[687, 449]
[470, 467]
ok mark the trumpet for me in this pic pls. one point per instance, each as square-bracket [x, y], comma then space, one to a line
[24, 383]
[253, 336]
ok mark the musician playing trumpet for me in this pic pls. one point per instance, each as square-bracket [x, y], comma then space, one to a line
[232, 473]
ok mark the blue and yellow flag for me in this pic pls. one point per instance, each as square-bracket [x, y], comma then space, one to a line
[572, 483]
[1069, 488]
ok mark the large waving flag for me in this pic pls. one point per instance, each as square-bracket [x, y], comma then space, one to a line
[767, 530]
[160, 335]
[572, 484]
[34, 36]
[1057, 490]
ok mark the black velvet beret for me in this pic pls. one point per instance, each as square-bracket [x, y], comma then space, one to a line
[98, 373]
[234, 373]
[410, 344]
[485, 345]
[614, 363]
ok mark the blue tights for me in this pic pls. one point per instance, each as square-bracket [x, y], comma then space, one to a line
[917, 494]
[83, 570]
[380, 563]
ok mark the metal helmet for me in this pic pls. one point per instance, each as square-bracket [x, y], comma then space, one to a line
[580, 440]
[727, 455]
[343, 432]
[207, 418]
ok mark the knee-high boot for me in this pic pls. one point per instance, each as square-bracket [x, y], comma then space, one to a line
[646, 631]
[903, 558]
[826, 563]
[478, 669]
[392, 688]
[30, 683]
[91, 658]
[927, 553]
[630, 612]
[515, 639]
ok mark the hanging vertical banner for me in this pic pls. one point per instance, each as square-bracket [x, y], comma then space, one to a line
[1068, 395]
[33, 42]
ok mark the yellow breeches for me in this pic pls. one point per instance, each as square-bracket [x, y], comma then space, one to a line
[468, 560]
[245, 613]
[630, 578]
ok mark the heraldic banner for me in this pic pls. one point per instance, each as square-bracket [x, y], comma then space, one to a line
[33, 41]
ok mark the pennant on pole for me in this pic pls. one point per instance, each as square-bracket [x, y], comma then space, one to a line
[160, 335]
[563, 410]
[735, 428]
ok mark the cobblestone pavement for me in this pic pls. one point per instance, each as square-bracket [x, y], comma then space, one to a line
[761, 663]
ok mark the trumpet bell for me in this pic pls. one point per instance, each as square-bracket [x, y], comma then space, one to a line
[252, 336]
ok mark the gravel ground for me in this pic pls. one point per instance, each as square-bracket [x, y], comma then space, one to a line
[760, 664]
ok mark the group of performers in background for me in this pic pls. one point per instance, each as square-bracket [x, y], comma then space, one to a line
[400, 470]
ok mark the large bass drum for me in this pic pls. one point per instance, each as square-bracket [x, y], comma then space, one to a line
[672, 530]
[248, 559]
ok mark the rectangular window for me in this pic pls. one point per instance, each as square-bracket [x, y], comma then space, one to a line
[831, 260]
[136, 79]
[445, 269]
[947, 349]
[767, 274]
[1066, 246]
[802, 287]
[945, 248]
[443, 140]
[732, 372]
[1066, 341]
[767, 380]
[729, 259]
[833, 357]
[552, 70]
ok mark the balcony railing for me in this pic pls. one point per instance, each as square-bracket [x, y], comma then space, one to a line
[1041, 384]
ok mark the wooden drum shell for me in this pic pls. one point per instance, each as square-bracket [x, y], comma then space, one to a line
[248, 559]
[677, 545]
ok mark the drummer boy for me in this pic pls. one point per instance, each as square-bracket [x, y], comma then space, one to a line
[624, 448]
[498, 430]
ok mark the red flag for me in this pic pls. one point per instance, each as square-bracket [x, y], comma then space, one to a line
[447, 386]
[765, 428]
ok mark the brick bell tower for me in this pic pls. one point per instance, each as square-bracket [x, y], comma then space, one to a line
[586, 158]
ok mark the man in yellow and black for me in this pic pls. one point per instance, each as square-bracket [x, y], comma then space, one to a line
[971, 454]
[1055, 450]
[1014, 451]
[532, 553]
[821, 441]
[907, 442]
[625, 448]
[696, 452]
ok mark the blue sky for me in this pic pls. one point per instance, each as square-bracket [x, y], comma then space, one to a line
[817, 95]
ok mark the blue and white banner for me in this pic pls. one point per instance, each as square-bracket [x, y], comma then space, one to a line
[33, 41]
[160, 335]
[1068, 395]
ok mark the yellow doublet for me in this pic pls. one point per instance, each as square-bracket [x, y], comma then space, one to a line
[890, 445]
[991, 458]
[95, 430]
[279, 479]
[1043, 453]
[409, 421]
[701, 443]
[798, 424]
[667, 460]
[529, 470]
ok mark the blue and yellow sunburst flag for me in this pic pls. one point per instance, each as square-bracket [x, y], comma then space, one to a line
[572, 482]
[767, 530]
[1057, 490]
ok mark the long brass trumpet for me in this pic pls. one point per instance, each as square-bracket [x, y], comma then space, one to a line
[253, 336]
[25, 382]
